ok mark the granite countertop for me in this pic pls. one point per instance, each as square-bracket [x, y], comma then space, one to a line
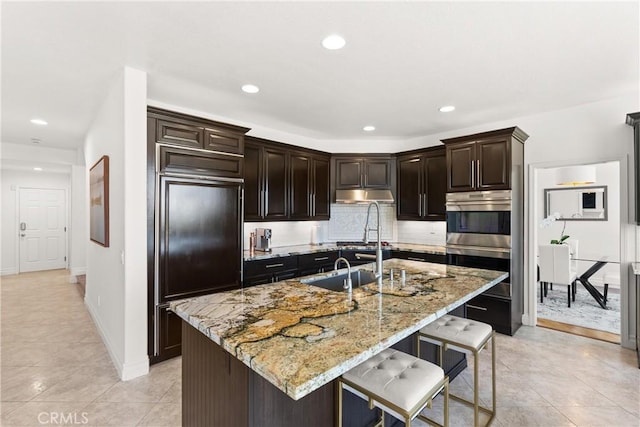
[300, 337]
[327, 247]
[636, 268]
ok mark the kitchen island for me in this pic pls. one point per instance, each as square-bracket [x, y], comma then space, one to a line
[268, 355]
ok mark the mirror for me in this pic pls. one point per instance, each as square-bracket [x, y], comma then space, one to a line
[577, 203]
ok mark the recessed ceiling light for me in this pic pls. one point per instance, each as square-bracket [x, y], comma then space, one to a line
[37, 169]
[39, 122]
[333, 42]
[447, 109]
[369, 128]
[250, 88]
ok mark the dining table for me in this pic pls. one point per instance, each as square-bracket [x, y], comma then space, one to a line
[597, 264]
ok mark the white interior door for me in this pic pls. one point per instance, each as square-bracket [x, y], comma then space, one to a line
[42, 229]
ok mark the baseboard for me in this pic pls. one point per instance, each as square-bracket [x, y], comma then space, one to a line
[125, 371]
[134, 370]
[77, 271]
[8, 271]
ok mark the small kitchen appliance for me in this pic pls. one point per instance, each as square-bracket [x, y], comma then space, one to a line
[263, 239]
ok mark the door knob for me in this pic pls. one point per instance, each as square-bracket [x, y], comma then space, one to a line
[22, 234]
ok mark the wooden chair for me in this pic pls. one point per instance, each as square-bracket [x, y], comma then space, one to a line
[556, 267]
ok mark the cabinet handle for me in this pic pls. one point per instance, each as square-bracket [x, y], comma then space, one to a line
[476, 307]
[324, 258]
[419, 204]
[313, 212]
[415, 259]
[365, 256]
[473, 173]
[274, 265]
[478, 172]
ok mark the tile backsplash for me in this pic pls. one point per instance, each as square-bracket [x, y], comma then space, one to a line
[422, 232]
[347, 223]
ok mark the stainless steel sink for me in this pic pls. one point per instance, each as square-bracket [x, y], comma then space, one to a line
[336, 282]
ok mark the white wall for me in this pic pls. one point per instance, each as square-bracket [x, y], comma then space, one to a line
[595, 238]
[77, 220]
[11, 180]
[116, 286]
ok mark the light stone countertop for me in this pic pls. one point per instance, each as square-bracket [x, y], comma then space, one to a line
[300, 337]
[636, 268]
[284, 251]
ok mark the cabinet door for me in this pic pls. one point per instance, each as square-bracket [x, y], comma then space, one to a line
[493, 164]
[253, 209]
[222, 140]
[300, 196]
[461, 173]
[409, 193]
[377, 173]
[435, 187]
[175, 133]
[349, 174]
[198, 256]
[275, 184]
[320, 197]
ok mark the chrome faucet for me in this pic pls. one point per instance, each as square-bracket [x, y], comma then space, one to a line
[367, 229]
[348, 285]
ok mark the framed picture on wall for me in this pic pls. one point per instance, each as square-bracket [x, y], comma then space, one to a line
[99, 202]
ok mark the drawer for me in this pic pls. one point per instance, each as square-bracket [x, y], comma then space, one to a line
[317, 260]
[494, 311]
[269, 266]
[420, 256]
[353, 255]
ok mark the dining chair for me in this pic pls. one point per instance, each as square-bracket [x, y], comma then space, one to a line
[556, 268]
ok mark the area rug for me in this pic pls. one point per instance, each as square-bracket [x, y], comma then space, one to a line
[585, 311]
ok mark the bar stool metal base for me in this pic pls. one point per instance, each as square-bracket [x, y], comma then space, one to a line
[443, 344]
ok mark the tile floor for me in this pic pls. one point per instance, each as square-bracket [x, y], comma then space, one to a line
[56, 371]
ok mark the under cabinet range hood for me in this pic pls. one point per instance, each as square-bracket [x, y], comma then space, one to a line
[364, 196]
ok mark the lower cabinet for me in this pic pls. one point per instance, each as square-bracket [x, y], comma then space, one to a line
[354, 256]
[318, 262]
[259, 272]
[493, 310]
[420, 256]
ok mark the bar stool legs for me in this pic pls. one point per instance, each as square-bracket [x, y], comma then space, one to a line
[473, 341]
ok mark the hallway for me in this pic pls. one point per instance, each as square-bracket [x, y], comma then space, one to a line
[56, 370]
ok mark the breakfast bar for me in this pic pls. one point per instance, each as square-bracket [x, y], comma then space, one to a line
[269, 354]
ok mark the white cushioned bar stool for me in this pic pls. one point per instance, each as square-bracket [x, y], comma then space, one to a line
[463, 334]
[397, 383]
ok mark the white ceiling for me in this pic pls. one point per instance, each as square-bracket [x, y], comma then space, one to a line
[402, 61]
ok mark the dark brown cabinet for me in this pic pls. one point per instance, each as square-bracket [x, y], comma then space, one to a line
[481, 161]
[317, 262]
[260, 272]
[633, 119]
[420, 256]
[353, 173]
[193, 132]
[194, 170]
[284, 184]
[421, 185]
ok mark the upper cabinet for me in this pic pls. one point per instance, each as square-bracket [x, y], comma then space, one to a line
[633, 119]
[422, 186]
[482, 161]
[187, 144]
[354, 173]
[193, 132]
[283, 182]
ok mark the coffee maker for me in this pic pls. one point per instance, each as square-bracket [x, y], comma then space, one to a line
[263, 239]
